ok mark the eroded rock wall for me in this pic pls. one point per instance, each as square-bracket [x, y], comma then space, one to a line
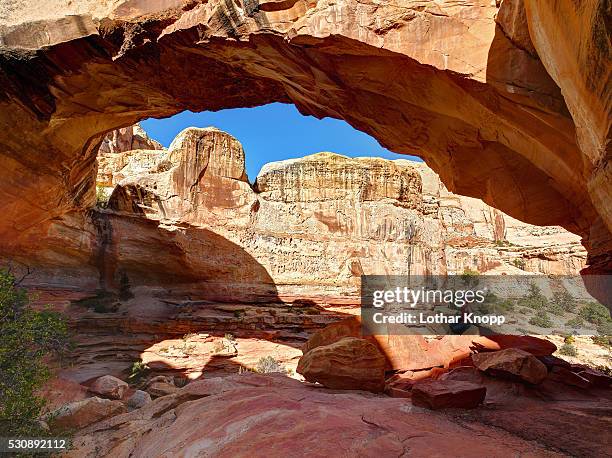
[313, 225]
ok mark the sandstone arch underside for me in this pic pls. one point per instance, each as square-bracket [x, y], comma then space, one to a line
[507, 103]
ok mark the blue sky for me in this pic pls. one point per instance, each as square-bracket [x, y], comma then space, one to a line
[272, 133]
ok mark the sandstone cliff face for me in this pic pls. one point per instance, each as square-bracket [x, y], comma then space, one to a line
[493, 97]
[188, 218]
[311, 226]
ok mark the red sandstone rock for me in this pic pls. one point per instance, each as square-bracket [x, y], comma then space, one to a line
[534, 345]
[413, 352]
[597, 378]
[553, 361]
[79, 414]
[276, 415]
[158, 389]
[512, 363]
[441, 394]
[348, 327]
[109, 387]
[349, 364]
[563, 375]
[58, 392]
[138, 399]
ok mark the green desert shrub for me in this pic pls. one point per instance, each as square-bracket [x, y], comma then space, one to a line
[555, 308]
[27, 336]
[534, 298]
[568, 349]
[605, 329]
[541, 319]
[138, 370]
[603, 340]
[470, 278]
[575, 322]
[595, 313]
[102, 197]
[564, 301]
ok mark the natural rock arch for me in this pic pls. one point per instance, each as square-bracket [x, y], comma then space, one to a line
[514, 110]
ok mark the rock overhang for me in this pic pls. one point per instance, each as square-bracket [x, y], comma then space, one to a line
[456, 103]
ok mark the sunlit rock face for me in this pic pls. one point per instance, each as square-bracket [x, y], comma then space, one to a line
[188, 217]
[313, 224]
[122, 147]
[507, 101]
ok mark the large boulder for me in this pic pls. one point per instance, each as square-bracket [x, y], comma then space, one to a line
[80, 414]
[349, 364]
[109, 387]
[440, 394]
[511, 363]
[348, 327]
[402, 352]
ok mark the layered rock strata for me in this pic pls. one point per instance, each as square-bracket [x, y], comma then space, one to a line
[277, 415]
[308, 227]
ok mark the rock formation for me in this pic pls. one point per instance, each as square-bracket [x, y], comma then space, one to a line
[435, 394]
[79, 414]
[307, 228]
[349, 364]
[513, 363]
[507, 101]
[272, 415]
[203, 250]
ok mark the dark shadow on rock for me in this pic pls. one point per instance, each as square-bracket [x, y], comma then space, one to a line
[182, 258]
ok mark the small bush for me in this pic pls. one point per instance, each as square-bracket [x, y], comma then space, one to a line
[541, 319]
[102, 197]
[138, 370]
[519, 263]
[506, 304]
[534, 299]
[564, 300]
[568, 350]
[605, 329]
[226, 345]
[569, 339]
[595, 313]
[470, 278]
[555, 308]
[605, 369]
[219, 347]
[575, 322]
[269, 365]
